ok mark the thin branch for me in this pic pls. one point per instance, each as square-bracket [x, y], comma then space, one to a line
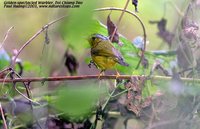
[5, 78]
[110, 96]
[3, 117]
[25, 85]
[6, 36]
[33, 37]
[142, 24]
[120, 18]
[84, 77]
[14, 85]
[175, 7]
[27, 90]
[5, 70]
[120, 93]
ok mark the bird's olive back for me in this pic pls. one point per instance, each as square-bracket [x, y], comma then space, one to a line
[95, 39]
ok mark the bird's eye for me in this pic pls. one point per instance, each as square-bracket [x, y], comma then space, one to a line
[93, 38]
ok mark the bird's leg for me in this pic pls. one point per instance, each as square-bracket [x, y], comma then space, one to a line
[117, 73]
[101, 74]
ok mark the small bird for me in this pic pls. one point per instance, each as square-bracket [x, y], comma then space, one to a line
[103, 53]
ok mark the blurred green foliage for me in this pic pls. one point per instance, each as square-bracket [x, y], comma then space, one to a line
[129, 52]
[149, 89]
[77, 101]
[78, 25]
[4, 63]
[4, 58]
[28, 66]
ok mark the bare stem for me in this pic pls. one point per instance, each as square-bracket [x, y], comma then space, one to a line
[33, 37]
[5, 70]
[110, 96]
[3, 117]
[175, 7]
[120, 18]
[24, 95]
[84, 77]
[142, 24]
[28, 97]
[6, 36]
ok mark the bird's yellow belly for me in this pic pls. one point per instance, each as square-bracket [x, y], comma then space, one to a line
[104, 62]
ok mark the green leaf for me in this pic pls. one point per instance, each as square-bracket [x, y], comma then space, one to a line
[129, 52]
[76, 101]
[79, 25]
[4, 63]
[149, 89]
[28, 66]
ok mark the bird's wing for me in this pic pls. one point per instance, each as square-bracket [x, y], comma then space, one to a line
[105, 48]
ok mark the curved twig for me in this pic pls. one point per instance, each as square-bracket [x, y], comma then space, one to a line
[6, 36]
[14, 85]
[120, 18]
[33, 37]
[137, 17]
[3, 117]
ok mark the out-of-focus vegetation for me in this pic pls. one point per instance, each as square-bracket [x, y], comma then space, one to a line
[86, 102]
[28, 21]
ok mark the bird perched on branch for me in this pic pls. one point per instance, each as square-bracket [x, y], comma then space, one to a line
[103, 53]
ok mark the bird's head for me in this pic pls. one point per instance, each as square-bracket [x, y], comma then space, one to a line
[94, 39]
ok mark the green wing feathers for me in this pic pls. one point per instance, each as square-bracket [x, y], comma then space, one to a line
[105, 48]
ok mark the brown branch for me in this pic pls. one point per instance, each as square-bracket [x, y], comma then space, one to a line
[3, 117]
[6, 36]
[5, 70]
[62, 78]
[33, 37]
[120, 18]
[142, 24]
[84, 77]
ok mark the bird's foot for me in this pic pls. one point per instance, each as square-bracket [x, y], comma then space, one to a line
[100, 74]
[117, 74]
[92, 63]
